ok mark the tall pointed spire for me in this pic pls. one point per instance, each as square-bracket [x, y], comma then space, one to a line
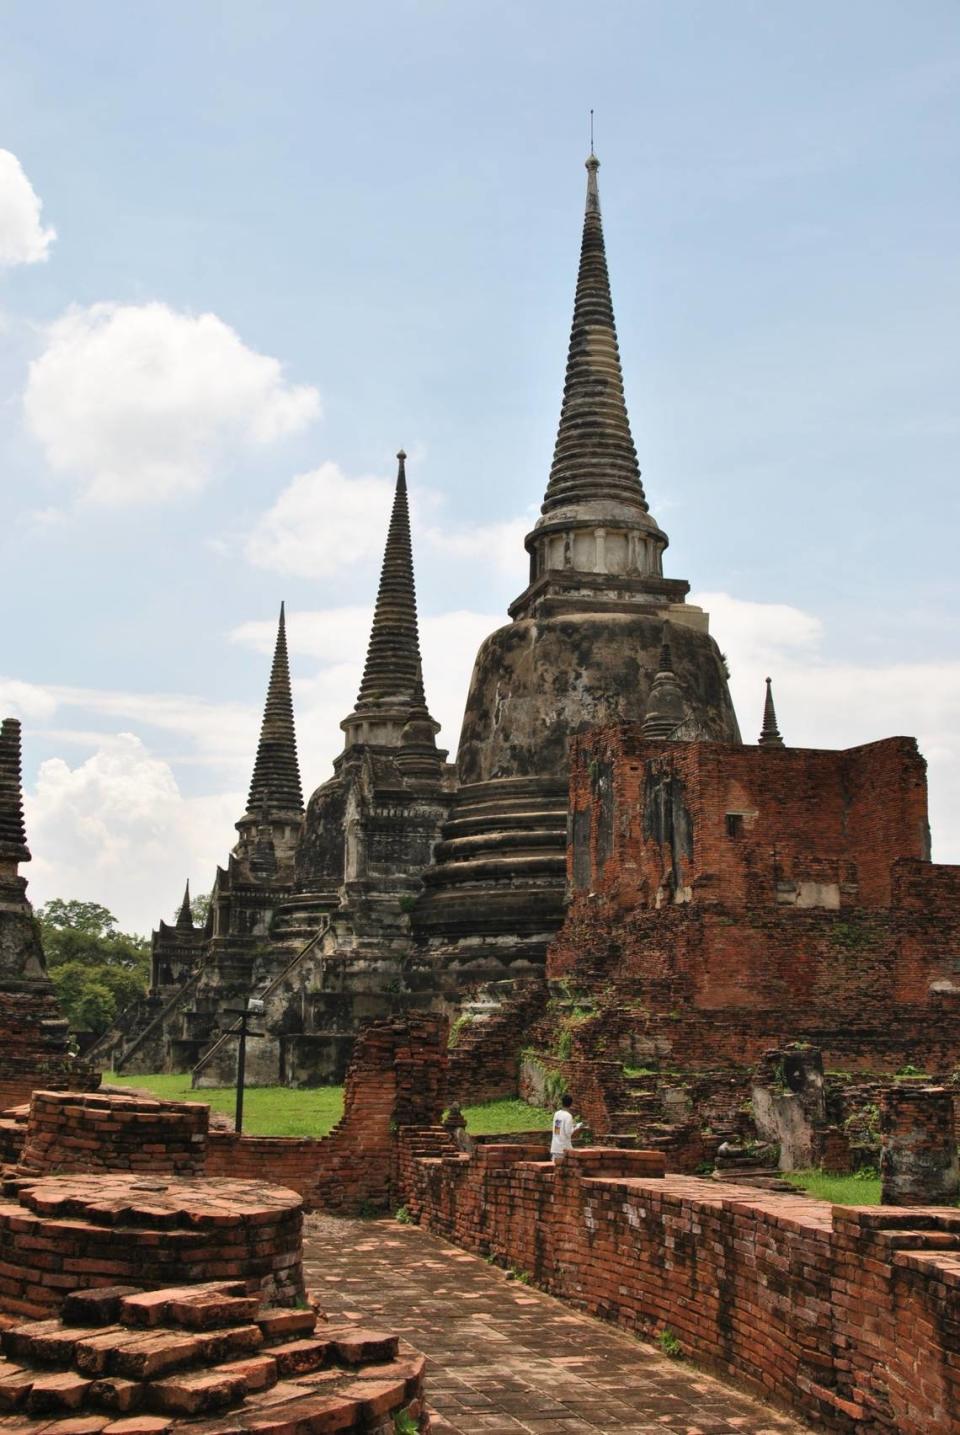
[275, 786]
[594, 455]
[185, 916]
[769, 733]
[13, 836]
[393, 674]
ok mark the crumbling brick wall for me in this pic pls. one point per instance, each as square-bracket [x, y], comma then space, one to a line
[745, 897]
[918, 1159]
[849, 1315]
[396, 1080]
[484, 1064]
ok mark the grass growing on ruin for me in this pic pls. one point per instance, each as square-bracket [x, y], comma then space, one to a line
[494, 1117]
[267, 1110]
[281, 1111]
[858, 1190]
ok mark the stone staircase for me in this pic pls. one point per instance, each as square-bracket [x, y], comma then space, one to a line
[640, 1116]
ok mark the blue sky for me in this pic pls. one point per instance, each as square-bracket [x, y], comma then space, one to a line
[377, 208]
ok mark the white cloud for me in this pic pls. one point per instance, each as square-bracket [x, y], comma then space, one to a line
[116, 829]
[842, 704]
[499, 545]
[22, 239]
[324, 521]
[138, 403]
[30, 702]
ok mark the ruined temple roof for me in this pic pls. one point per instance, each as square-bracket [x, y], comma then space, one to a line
[275, 786]
[594, 458]
[393, 674]
[13, 836]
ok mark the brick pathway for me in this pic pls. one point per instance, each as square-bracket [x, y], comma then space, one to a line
[504, 1358]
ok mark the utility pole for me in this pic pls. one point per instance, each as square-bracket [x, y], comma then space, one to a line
[252, 1007]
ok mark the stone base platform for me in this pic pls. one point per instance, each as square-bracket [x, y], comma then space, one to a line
[60, 1234]
[207, 1358]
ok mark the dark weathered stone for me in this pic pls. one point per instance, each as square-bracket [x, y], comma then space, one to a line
[34, 1050]
[769, 733]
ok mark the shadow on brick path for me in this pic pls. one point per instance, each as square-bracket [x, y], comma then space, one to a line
[505, 1358]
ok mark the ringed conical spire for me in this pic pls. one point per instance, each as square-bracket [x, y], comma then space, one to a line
[393, 673]
[13, 836]
[275, 786]
[595, 456]
[185, 917]
[665, 710]
[769, 733]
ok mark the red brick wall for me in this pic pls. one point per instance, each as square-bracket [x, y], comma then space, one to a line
[483, 1066]
[806, 815]
[845, 1314]
[395, 1081]
[597, 1089]
[739, 965]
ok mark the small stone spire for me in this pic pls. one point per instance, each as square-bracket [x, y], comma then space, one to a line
[666, 710]
[393, 673]
[594, 457]
[769, 733]
[13, 836]
[185, 917]
[275, 786]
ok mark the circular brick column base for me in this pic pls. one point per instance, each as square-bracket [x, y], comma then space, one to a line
[65, 1233]
[76, 1131]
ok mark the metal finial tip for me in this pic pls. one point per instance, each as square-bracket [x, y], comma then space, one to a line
[401, 455]
[768, 681]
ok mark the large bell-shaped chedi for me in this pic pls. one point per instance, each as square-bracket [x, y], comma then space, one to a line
[583, 649]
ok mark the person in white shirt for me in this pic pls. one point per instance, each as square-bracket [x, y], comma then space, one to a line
[564, 1129]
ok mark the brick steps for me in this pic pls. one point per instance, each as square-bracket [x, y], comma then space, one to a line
[127, 1362]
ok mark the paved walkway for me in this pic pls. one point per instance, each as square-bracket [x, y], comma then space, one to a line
[504, 1358]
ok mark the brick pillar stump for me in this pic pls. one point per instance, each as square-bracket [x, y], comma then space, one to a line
[918, 1159]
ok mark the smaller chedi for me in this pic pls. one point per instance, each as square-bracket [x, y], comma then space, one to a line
[35, 1031]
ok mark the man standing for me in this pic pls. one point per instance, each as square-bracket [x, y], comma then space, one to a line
[564, 1129]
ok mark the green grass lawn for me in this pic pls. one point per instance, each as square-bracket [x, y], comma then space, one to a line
[841, 1190]
[502, 1116]
[282, 1111]
[267, 1110]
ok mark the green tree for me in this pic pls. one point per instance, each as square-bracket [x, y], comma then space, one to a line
[96, 969]
[200, 909]
[96, 1008]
